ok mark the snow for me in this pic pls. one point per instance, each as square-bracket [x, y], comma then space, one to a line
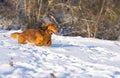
[68, 57]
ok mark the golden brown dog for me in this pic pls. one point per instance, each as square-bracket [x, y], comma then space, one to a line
[41, 37]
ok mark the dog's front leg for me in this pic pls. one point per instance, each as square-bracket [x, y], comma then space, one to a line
[49, 43]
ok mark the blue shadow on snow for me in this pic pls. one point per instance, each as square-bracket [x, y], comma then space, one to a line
[64, 45]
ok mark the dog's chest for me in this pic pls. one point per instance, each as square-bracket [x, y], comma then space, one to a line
[46, 38]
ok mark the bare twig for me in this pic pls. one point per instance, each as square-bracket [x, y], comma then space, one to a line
[52, 75]
[39, 10]
[98, 18]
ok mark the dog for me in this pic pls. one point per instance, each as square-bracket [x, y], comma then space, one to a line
[40, 37]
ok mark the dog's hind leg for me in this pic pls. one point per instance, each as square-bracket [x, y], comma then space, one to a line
[21, 39]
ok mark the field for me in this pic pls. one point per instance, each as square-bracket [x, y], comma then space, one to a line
[68, 57]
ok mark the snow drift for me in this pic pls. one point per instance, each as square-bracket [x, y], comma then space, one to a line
[68, 57]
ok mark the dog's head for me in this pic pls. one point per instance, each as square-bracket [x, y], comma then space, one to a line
[51, 27]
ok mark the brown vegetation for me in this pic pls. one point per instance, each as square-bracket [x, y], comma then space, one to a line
[87, 18]
[40, 37]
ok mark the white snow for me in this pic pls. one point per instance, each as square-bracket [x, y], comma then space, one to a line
[68, 57]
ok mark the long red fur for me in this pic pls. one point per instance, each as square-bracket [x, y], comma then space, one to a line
[40, 37]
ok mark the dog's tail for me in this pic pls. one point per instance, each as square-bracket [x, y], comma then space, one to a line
[15, 35]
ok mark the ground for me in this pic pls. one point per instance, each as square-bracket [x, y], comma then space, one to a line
[68, 57]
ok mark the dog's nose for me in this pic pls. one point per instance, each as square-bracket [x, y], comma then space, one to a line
[57, 31]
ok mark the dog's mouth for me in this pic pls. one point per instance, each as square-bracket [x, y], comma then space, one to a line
[55, 32]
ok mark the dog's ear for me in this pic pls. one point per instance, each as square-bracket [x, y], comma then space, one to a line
[44, 28]
[47, 24]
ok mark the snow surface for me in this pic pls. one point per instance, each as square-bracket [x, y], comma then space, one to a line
[68, 57]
